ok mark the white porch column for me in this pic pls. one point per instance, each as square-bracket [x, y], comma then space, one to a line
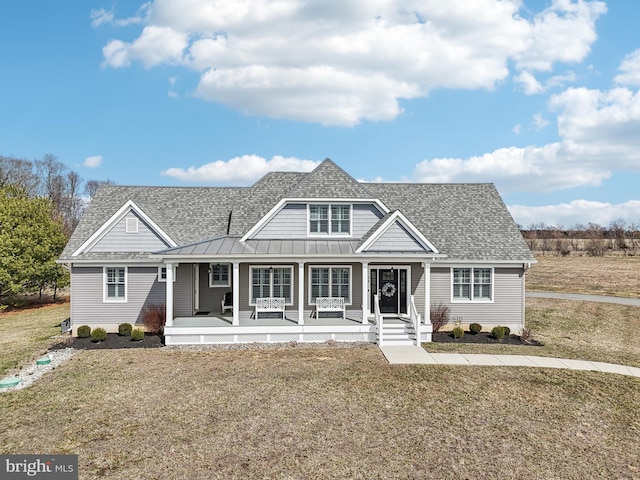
[169, 292]
[300, 293]
[365, 292]
[236, 293]
[427, 293]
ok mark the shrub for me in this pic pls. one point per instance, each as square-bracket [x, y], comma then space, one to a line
[507, 331]
[84, 331]
[458, 332]
[98, 335]
[137, 334]
[475, 328]
[439, 316]
[153, 317]
[498, 332]
[124, 329]
[527, 335]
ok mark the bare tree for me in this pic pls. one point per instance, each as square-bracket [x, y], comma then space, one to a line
[18, 172]
[596, 243]
[618, 234]
[92, 186]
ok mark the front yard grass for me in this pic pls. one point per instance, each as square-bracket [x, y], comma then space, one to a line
[28, 332]
[603, 332]
[323, 413]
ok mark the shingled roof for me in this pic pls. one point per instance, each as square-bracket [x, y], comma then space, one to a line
[464, 221]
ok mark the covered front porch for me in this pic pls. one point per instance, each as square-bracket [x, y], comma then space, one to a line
[220, 329]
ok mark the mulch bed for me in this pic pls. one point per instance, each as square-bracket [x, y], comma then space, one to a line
[482, 337]
[113, 341]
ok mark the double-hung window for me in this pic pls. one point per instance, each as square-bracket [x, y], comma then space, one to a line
[472, 284]
[330, 282]
[271, 282]
[115, 284]
[219, 275]
[329, 219]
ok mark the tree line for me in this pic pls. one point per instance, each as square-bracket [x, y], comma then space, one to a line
[591, 239]
[41, 203]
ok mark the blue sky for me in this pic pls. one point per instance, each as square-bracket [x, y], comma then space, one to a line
[539, 97]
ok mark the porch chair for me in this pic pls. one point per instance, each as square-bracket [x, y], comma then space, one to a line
[227, 302]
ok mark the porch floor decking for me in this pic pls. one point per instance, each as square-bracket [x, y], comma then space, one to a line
[226, 321]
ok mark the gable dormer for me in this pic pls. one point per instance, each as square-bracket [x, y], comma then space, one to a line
[395, 233]
[128, 230]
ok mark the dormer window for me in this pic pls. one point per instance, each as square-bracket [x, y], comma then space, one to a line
[329, 219]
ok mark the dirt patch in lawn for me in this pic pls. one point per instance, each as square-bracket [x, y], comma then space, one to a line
[113, 341]
[484, 338]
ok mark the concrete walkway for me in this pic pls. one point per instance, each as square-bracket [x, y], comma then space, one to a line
[634, 302]
[419, 356]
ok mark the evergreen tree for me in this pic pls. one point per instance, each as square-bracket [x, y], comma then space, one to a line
[30, 242]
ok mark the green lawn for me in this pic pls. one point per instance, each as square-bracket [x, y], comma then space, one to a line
[26, 333]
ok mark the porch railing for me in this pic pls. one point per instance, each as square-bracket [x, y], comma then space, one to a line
[415, 319]
[378, 317]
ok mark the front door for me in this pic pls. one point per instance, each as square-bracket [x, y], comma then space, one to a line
[388, 290]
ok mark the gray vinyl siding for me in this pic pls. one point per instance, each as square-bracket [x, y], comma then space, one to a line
[396, 239]
[117, 240]
[183, 291]
[364, 217]
[507, 306]
[417, 286]
[211, 297]
[292, 222]
[88, 307]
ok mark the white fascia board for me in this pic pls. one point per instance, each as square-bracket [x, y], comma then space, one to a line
[397, 216]
[450, 262]
[115, 218]
[281, 204]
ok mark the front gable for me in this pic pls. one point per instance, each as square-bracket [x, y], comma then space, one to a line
[395, 233]
[128, 230]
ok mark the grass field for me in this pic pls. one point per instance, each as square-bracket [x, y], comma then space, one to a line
[614, 275]
[323, 413]
[332, 412]
[26, 333]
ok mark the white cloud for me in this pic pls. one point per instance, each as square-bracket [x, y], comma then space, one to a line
[529, 84]
[154, 46]
[340, 64]
[100, 16]
[598, 135]
[575, 212]
[630, 69]
[241, 170]
[539, 121]
[93, 161]
[517, 129]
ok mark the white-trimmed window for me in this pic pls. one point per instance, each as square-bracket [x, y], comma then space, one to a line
[266, 282]
[115, 284]
[219, 275]
[329, 219]
[330, 281]
[162, 274]
[472, 284]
